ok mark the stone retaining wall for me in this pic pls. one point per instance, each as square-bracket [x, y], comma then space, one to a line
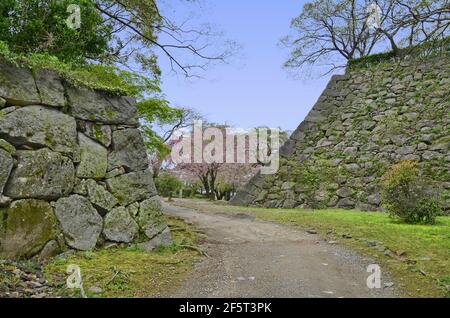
[73, 169]
[364, 122]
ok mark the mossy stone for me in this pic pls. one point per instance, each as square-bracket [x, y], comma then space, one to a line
[151, 219]
[25, 227]
[94, 159]
[7, 147]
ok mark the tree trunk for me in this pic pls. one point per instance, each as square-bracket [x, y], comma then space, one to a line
[205, 182]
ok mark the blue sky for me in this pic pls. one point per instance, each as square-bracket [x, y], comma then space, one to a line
[254, 89]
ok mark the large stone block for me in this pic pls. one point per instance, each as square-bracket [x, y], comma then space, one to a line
[40, 126]
[132, 187]
[25, 227]
[94, 159]
[80, 222]
[17, 86]
[7, 147]
[150, 218]
[93, 105]
[98, 132]
[99, 196]
[6, 165]
[128, 151]
[120, 226]
[163, 239]
[51, 90]
[40, 174]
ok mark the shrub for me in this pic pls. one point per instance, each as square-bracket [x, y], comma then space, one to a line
[409, 195]
[167, 184]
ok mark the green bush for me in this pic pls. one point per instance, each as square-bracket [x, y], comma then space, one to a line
[409, 195]
[167, 184]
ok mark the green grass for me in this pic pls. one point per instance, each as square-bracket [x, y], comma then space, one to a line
[420, 260]
[131, 272]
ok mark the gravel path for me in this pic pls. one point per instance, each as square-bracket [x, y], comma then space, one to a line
[251, 258]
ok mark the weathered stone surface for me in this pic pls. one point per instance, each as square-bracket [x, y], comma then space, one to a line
[4, 201]
[116, 172]
[40, 126]
[429, 155]
[94, 159]
[351, 166]
[132, 187]
[406, 150]
[40, 174]
[364, 207]
[287, 186]
[151, 219]
[346, 203]
[51, 90]
[93, 105]
[25, 227]
[120, 226]
[99, 132]
[17, 86]
[163, 239]
[133, 209]
[350, 150]
[344, 192]
[50, 250]
[56, 191]
[287, 149]
[333, 201]
[374, 199]
[261, 196]
[128, 151]
[7, 147]
[361, 126]
[80, 186]
[6, 165]
[99, 196]
[80, 222]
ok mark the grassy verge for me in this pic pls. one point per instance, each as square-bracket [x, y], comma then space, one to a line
[416, 256]
[131, 272]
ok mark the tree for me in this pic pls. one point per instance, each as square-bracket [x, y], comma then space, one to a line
[137, 27]
[167, 184]
[413, 22]
[231, 177]
[328, 33]
[219, 177]
[159, 122]
[112, 32]
[38, 26]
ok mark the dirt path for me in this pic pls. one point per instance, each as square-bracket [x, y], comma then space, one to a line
[251, 258]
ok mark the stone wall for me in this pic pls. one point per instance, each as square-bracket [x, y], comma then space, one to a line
[73, 169]
[364, 122]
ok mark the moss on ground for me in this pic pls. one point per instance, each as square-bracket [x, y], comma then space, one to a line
[132, 272]
[419, 262]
